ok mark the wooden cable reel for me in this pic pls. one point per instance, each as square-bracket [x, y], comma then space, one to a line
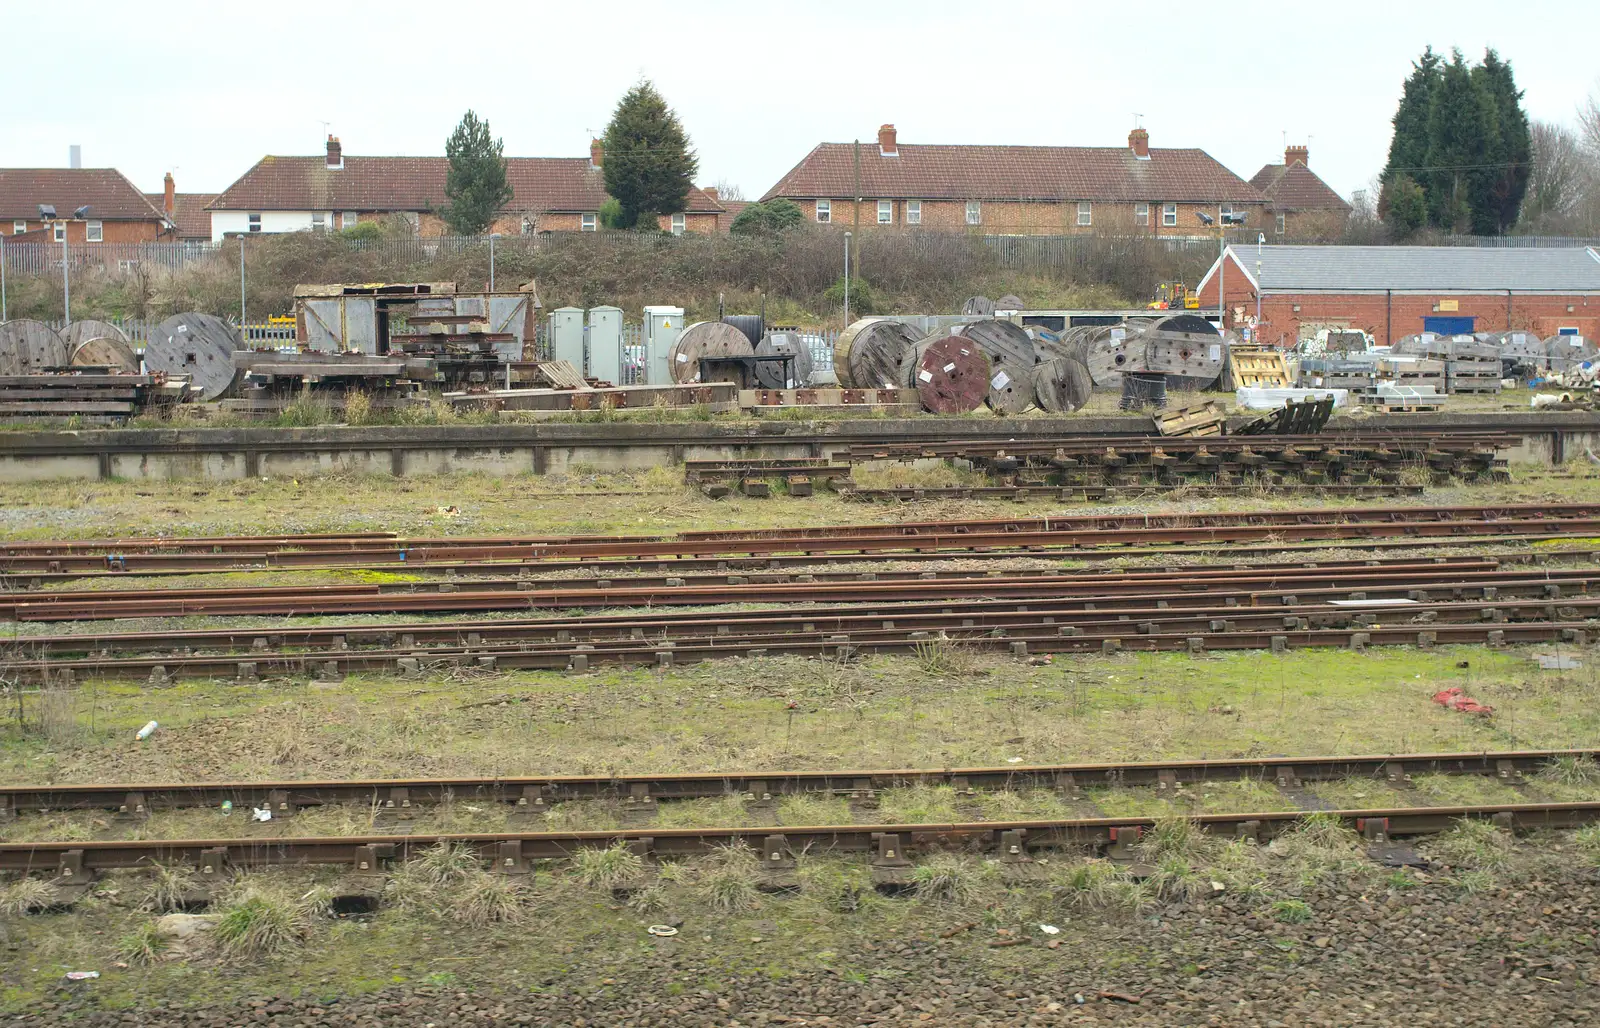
[789, 344]
[1184, 347]
[1012, 357]
[198, 347]
[875, 353]
[1061, 380]
[106, 352]
[27, 347]
[704, 339]
[951, 374]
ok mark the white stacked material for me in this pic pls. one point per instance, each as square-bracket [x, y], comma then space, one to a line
[1262, 398]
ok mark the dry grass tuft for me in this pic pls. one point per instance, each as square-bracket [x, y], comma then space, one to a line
[727, 879]
[259, 921]
[611, 868]
[25, 895]
[948, 878]
[143, 946]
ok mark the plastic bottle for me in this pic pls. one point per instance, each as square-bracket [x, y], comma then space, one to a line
[145, 732]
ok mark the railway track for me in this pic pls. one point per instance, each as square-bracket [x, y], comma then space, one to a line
[537, 793]
[1249, 588]
[74, 864]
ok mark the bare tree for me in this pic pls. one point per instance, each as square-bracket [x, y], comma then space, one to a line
[1556, 185]
[728, 190]
[1589, 124]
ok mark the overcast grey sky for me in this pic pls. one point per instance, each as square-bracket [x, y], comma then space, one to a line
[205, 89]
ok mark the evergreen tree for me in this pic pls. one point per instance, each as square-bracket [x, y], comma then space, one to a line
[1406, 208]
[1504, 181]
[1459, 128]
[648, 164]
[770, 218]
[476, 184]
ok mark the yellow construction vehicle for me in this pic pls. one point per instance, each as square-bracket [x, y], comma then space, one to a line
[1173, 296]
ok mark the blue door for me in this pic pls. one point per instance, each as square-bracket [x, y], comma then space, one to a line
[1452, 326]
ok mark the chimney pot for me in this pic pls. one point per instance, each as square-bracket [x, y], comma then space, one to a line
[335, 153]
[887, 146]
[1297, 153]
[1139, 143]
[168, 188]
[597, 153]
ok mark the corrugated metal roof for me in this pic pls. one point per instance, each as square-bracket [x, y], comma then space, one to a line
[1420, 268]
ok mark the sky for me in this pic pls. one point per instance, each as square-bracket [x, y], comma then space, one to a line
[205, 89]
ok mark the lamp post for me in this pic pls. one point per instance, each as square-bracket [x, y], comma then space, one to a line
[2, 278]
[847, 280]
[492, 237]
[1261, 238]
[244, 331]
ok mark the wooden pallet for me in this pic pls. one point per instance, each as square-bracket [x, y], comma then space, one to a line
[1200, 419]
[1257, 368]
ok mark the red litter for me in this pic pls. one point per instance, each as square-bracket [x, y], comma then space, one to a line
[1456, 699]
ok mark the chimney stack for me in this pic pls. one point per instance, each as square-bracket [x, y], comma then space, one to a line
[886, 142]
[1297, 153]
[74, 156]
[335, 154]
[711, 191]
[597, 153]
[1139, 143]
[167, 190]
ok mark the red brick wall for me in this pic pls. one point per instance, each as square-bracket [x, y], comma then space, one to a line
[1391, 318]
[1038, 217]
[111, 231]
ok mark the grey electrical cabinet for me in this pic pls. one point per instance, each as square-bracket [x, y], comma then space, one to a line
[566, 336]
[661, 328]
[605, 344]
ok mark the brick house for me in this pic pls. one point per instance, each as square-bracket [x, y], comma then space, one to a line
[117, 211]
[186, 211]
[333, 191]
[1394, 291]
[1019, 190]
[1299, 204]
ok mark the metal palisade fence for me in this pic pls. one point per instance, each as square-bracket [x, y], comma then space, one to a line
[23, 260]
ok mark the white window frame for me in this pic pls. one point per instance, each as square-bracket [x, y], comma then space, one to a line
[680, 224]
[1223, 208]
[18, 227]
[94, 232]
[252, 222]
[588, 223]
[1085, 214]
[1280, 223]
[1141, 214]
[886, 212]
[319, 221]
[1169, 215]
[349, 219]
[60, 235]
[913, 212]
[824, 212]
[974, 212]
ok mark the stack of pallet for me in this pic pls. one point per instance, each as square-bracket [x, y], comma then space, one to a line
[92, 393]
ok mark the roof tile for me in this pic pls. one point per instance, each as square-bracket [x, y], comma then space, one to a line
[110, 196]
[188, 212]
[1296, 187]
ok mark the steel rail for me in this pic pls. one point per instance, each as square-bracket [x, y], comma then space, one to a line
[960, 620]
[778, 562]
[1245, 587]
[1047, 637]
[510, 852]
[533, 793]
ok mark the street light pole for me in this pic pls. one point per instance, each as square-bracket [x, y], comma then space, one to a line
[492, 237]
[66, 287]
[1261, 237]
[847, 280]
[2, 278]
[242, 330]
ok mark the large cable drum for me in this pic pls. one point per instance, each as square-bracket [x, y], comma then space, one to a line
[788, 344]
[754, 326]
[27, 347]
[1520, 349]
[76, 333]
[981, 305]
[1111, 349]
[1012, 357]
[875, 353]
[1563, 353]
[1061, 381]
[704, 339]
[1185, 348]
[198, 347]
[951, 374]
[106, 352]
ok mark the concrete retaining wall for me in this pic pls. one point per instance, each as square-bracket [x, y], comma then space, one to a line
[223, 454]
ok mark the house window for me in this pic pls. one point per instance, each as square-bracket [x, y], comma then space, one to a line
[913, 212]
[1085, 213]
[586, 223]
[61, 231]
[680, 224]
[824, 211]
[886, 212]
[255, 223]
[1280, 223]
[1224, 210]
[18, 227]
[94, 232]
[974, 212]
[319, 222]
[1141, 214]
[1169, 214]
[348, 219]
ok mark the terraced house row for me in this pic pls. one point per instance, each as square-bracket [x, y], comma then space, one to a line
[1134, 190]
